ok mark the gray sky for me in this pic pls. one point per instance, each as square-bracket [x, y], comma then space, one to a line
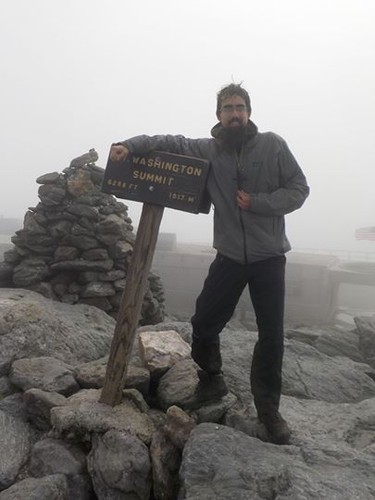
[78, 74]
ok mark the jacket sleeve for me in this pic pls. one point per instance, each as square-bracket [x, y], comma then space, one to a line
[177, 144]
[293, 189]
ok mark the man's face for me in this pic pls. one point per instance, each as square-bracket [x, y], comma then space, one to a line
[233, 113]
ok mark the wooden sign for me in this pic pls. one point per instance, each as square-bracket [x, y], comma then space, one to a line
[159, 178]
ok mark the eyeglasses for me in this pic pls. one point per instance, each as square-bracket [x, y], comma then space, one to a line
[229, 108]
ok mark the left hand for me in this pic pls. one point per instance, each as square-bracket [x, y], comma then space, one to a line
[243, 200]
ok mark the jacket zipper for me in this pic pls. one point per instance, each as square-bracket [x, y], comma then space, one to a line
[238, 169]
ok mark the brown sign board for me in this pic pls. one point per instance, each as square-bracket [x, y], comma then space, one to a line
[167, 179]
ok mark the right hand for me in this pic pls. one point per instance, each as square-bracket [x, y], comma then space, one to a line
[118, 152]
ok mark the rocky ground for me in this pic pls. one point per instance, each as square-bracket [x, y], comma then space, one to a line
[58, 442]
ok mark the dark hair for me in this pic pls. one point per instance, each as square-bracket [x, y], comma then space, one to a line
[229, 91]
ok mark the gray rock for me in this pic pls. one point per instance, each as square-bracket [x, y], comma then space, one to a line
[112, 224]
[324, 425]
[81, 210]
[53, 456]
[39, 216]
[31, 226]
[96, 254]
[237, 348]
[32, 326]
[59, 214]
[108, 239]
[114, 275]
[310, 374]
[245, 420]
[30, 271]
[44, 288]
[121, 249]
[46, 488]
[220, 463]
[119, 285]
[51, 195]
[82, 242]
[119, 466]
[339, 343]
[60, 228]
[15, 406]
[50, 178]
[69, 298]
[14, 448]
[98, 289]
[79, 229]
[177, 386]
[136, 398]
[102, 303]
[87, 276]
[11, 256]
[116, 207]
[39, 404]
[214, 411]
[303, 334]
[46, 373]
[83, 265]
[178, 426]
[83, 414]
[137, 377]
[91, 375]
[64, 253]
[5, 387]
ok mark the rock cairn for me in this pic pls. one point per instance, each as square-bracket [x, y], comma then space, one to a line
[76, 244]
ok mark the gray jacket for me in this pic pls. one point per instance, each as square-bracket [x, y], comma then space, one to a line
[265, 168]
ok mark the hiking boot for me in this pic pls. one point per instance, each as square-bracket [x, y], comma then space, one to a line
[277, 428]
[211, 386]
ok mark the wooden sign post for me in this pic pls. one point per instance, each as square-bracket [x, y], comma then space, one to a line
[131, 303]
[159, 179]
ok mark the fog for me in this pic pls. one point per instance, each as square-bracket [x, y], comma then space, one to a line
[85, 73]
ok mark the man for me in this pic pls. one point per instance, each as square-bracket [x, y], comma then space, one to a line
[254, 180]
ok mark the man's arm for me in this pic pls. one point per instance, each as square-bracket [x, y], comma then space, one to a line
[143, 144]
[292, 193]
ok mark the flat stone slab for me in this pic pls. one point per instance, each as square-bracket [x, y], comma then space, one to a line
[84, 414]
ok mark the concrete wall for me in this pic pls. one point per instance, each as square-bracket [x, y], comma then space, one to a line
[310, 295]
[183, 273]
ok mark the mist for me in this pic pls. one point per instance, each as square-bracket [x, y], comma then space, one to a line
[83, 74]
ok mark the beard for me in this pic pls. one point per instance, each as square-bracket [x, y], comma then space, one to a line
[234, 137]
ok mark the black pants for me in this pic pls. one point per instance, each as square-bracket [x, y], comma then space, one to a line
[215, 306]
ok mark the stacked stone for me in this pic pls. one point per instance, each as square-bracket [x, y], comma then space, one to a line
[76, 244]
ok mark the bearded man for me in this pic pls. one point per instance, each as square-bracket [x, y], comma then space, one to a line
[253, 182]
